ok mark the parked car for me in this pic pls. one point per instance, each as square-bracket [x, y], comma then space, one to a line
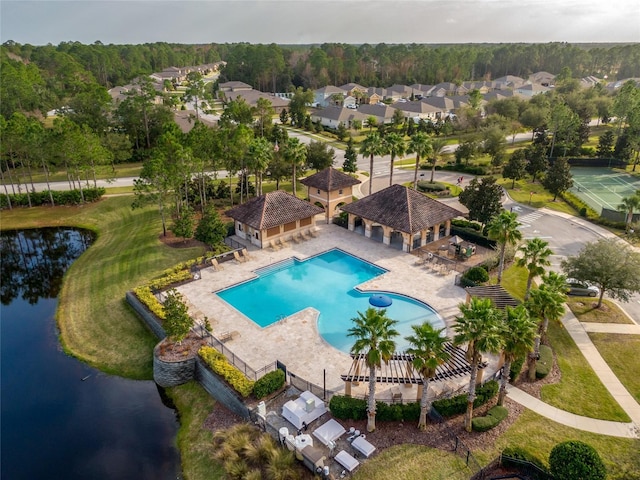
[581, 289]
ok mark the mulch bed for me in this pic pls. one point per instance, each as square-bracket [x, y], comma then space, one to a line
[188, 347]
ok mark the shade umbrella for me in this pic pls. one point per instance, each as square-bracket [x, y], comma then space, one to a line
[380, 301]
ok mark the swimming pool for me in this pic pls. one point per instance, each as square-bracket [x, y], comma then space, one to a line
[327, 283]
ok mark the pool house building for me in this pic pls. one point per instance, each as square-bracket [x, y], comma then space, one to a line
[273, 218]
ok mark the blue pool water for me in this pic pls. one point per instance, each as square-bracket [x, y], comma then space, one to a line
[327, 283]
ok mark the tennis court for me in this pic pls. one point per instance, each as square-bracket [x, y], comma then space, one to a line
[602, 187]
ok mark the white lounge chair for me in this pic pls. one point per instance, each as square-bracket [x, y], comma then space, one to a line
[347, 461]
[216, 266]
[274, 246]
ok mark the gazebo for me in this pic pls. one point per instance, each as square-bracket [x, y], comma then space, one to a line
[330, 188]
[401, 209]
[271, 217]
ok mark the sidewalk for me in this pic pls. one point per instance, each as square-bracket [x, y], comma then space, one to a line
[578, 332]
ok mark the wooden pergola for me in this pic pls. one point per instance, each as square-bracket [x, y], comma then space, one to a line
[399, 370]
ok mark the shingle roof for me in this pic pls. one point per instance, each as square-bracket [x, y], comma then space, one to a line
[339, 114]
[496, 293]
[330, 179]
[402, 209]
[273, 209]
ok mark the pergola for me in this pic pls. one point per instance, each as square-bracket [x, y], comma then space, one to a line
[401, 209]
[399, 370]
[498, 295]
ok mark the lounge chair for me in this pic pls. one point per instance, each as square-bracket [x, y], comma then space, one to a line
[305, 235]
[216, 266]
[296, 237]
[237, 256]
[313, 232]
[274, 245]
[347, 461]
[246, 255]
[283, 243]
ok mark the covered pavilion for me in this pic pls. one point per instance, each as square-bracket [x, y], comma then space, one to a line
[398, 209]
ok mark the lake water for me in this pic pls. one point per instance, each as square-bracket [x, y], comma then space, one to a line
[60, 417]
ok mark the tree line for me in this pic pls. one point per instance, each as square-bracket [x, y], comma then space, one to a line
[43, 77]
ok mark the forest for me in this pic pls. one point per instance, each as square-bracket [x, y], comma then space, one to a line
[44, 77]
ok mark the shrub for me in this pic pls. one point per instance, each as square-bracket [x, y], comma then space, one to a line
[60, 197]
[426, 186]
[466, 224]
[221, 366]
[271, 382]
[545, 362]
[388, 413]
[472, 235]
[573, 459]
[516, 368]
[476, 275]
[518, 453]
[448, 407]
[348, 408]
[493, 417]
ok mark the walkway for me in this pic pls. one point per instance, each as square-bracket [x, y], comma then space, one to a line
[578, 332]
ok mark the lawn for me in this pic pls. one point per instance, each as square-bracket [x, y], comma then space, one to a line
[534, 194]
[536, 436]
[579, 391]
[96, 324]
[584, 310]
[621, 354]
[417, 462]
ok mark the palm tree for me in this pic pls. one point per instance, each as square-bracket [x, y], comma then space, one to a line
[295, 153]
[259, 155]
[535, 256]
[371, 146]
[479, 328]
[519, 337]
[504, 229]
[374, 334]
[545, 303]
[420, 144]
[628, 205]
[428, 349]
[395, 146]
[437, 147]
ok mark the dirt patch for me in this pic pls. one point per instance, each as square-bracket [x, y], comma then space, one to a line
[170, 240]
[171, 351]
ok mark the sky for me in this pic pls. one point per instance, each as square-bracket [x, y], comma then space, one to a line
[40, 22]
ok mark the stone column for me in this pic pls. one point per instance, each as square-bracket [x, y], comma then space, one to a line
[447, 228]
[367, 228]
[352, 222]
[407, 242]
[436, 232]
[347, 389]
[423, 237]
[386, 235]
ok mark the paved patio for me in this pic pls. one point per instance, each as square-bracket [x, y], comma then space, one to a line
[295, 340]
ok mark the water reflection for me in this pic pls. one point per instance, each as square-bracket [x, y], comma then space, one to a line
[54, 424]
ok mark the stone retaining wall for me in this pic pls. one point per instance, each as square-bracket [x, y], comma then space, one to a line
[149, 318]
[171, 374]
[219, 390]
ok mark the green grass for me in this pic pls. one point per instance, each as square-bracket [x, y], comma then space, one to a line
[96, 324]
[537, 435]
[584, 310]
[514, 281]
[411, 462]
[579, 391]
[534, 194]
[621, 354]
[194, 441]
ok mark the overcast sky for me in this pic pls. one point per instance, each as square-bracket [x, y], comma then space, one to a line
[317, 21]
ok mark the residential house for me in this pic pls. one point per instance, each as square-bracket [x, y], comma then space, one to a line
[418, 110]
[234, 86]
[418, 89]
[376, 95]
[545, 79]
[508, 82]
[332, 117]
[252, 96]
[354, 89]
[328, 96]
[382, 113]
[529, 90]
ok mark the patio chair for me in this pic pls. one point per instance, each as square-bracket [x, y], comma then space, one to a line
[216, 266]
[296, 237]
[283, 243]
[246, 255]
[274, 246]
[305, 235]
[313, 232]
[237, 256]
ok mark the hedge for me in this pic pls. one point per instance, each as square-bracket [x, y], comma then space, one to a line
[545, 362]
[474, 276]
[516, 368]
[471, 235]
[60, 197]
[459, 167]
[271, 382]
[349, 408]
[426, 186]
[467, 224]
[493, 417]
[220, 365]
[448, 407]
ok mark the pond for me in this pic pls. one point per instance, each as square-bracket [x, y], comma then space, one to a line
[60, 417]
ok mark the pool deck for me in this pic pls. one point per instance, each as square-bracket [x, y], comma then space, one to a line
[294, 340]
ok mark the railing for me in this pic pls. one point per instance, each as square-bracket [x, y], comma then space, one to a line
[234, 244]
